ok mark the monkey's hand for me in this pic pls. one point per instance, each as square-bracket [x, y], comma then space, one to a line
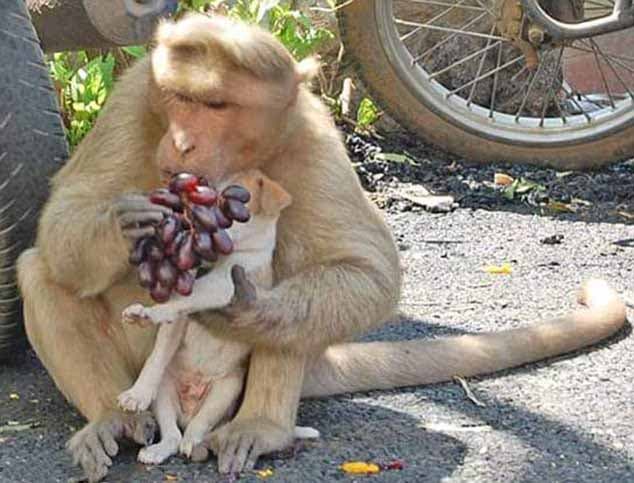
[137, 215]
[244, 294]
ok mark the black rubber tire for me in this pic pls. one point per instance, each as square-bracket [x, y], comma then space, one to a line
[32, 148]
[359, 30]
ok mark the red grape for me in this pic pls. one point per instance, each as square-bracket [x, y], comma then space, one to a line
[160, 293]
[183, 182]
[138, 253]
[235, 210]
[204, 247]
[167, 273]
[237, 193]
[185, 283]
[186, 258]
[146, 274]
[154, 251]
[205, 216]
[222, 242]
[168, 229]
[172, 248]
[203, 195]
[164, 197]
[221, 219]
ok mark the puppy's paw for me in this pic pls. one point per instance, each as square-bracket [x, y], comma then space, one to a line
[134, 400]
[137, 314]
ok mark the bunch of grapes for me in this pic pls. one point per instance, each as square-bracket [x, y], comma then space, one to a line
[195, 232]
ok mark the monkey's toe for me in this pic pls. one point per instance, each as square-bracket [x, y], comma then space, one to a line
[93, 447]
[238, 445]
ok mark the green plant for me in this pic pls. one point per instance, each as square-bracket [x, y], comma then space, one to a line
[84, 80]
[82, 84]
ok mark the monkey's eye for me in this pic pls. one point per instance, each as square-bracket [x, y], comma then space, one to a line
[216, 104]
[184, 98]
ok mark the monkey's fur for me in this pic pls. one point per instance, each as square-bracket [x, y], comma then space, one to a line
[216, 98]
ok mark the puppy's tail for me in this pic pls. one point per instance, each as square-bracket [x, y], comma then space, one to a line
[383, 365]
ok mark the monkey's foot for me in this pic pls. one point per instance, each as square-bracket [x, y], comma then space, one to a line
[135, 400]
[157, 453]
[93, 446]
[239, 444]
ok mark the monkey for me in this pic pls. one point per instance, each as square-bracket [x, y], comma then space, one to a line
[193, 379]
[215, 97]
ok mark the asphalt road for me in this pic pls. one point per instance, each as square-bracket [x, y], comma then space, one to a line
[565, 420]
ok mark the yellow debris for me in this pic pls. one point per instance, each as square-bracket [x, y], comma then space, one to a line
[504, 269]
[360, 468]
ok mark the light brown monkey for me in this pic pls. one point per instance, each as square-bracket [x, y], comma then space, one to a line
[218, 97]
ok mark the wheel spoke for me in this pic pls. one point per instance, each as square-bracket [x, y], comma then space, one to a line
[603, 79]
[529, 90]
[551, 88]
[466, 59]
[432, 20]
[447, 39]
[484, 76]
[480, 67]
[494, 88]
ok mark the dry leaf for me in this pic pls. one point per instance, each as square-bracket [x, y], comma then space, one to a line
[264, 473]
[502, 179]
[14, 396]
[169, 477]
[561, 207]
[504, 269]
[625, 214]
[360, 468]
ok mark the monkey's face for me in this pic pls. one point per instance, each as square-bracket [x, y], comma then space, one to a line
[225, 90]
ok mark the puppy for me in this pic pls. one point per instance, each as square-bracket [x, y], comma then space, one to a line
[191, 379]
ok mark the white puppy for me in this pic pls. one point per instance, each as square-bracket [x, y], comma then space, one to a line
[192, 379]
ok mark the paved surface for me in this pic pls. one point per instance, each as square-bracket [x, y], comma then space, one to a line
[565, 420]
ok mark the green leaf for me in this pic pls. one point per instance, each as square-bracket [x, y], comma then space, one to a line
[136, 51]
[368, 113]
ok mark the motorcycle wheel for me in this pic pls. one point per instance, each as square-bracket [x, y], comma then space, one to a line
[32, 148]
[477, 101]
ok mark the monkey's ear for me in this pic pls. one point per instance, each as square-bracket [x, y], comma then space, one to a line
[273, 198]
[306, 69]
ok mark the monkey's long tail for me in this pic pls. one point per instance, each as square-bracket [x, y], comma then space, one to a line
[382, 365]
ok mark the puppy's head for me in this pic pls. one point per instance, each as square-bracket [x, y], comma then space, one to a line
[268, 198]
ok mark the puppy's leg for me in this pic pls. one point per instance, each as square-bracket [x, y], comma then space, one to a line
[165, 409]
[213, 291]
[142, 393]
[216, 407]
[306, 432]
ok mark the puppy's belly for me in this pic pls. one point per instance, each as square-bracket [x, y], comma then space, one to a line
[201, 360]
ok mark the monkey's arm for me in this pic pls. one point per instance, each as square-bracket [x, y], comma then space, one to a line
[320, 305]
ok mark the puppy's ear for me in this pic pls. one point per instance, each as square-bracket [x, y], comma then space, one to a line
[273, 198]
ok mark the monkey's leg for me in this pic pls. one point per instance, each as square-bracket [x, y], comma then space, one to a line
[166, 409]
[68, 336]
[266, 420]
[216, 407]
[140, 396]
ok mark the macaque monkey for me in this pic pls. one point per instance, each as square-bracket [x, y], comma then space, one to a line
[216, 97]
[192, 378]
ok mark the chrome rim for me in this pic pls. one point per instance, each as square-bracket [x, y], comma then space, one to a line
[570, 111]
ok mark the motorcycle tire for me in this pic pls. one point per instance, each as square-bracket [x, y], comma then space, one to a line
[360, 24]
[32, 148]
